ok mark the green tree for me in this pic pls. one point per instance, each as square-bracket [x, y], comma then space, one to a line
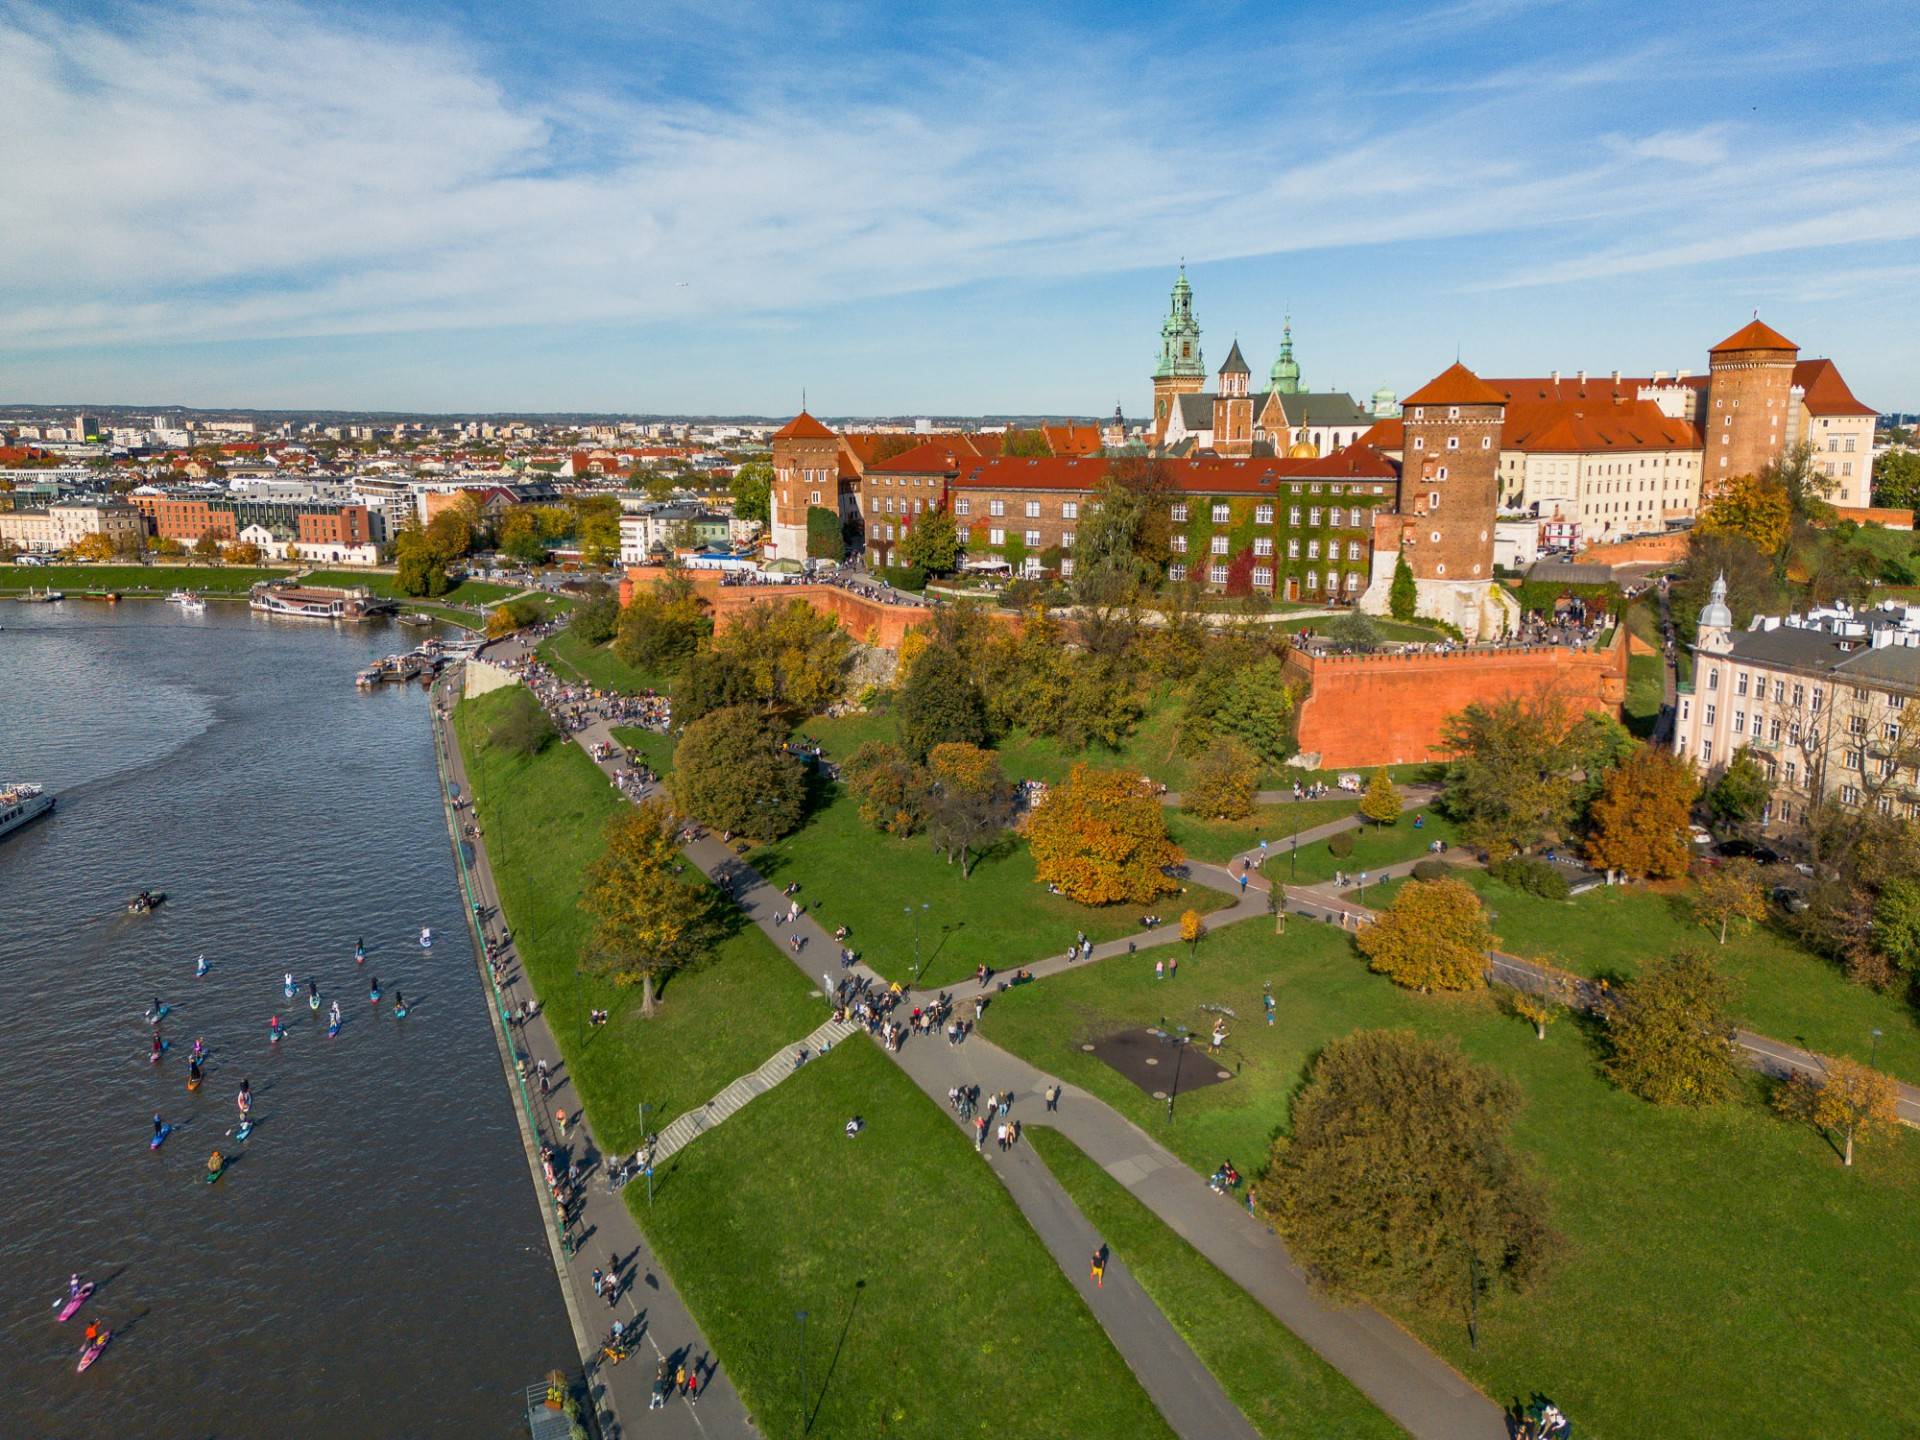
[933, 543]
[969, 802]
[1403, 597]
[707, 681]
[1896, 479]
[420, 571]
[1670, 1032]
[1511, 782]
[1222, 784]
[596, 621]
[1739, 797]
[1257, 708]
[1381, 803]
[1024, 444]
[796, 656]
[647, 920]
[1355, 631]
[940, 702]
[655, 632]
[1121, 545]
[1434, 936]
[450, 533]
[658, 485]
[518, 534]
[824, 538]
[732, 771]
[890, 789]
[1397, 1179]
[752, 491]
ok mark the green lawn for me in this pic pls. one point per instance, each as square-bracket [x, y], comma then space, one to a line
[1646, 680]
[1280, 1385]
[1220, 840]
[855, 876]
[932, 1308]
[1722, 1276]
[722, 1017]
[597, 665]
[841, 735]
[1785, 991]
[654, 749]
[380, 582]
[1373, 847]
[161, 579]
[479, 592]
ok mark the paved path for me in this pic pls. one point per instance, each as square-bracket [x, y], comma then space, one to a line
[603, 1227]
[1403, 1377]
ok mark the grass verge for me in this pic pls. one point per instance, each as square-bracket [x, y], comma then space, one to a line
[597, 665]
[1220, 840]
[157, 579]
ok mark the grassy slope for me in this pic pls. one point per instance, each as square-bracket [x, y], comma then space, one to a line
[655, 749]
[163, 579]
[542, 818]
[1785, 991]
[597, 665]
[963, 1325]
[1646, 679]
[752, 1225]
[1723, 1275]
[1282, 1386]
[1222, 839]
[855, 876]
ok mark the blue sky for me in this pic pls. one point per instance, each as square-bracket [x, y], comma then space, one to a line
[677, 207]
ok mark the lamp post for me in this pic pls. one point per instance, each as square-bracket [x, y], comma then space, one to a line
[646, 1144]
[807, 1420]
[1293, 859]
[916, 914]
[1873, 1055]
[1176, 1037]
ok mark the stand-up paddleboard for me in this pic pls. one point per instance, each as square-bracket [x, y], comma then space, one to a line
[400, 1012]
[243, 1129]
[161, 1138]
[193, 1082]
[426, 937]
[160, 1014]
[313, 1002]
[333, 1029]
[74, 1302]
[92, 1352]
[213, 1175]
[154, 1055]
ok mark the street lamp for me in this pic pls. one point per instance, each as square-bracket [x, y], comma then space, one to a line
[1177, 1037]
[1874, 1054]
[1293, 859]
[647, 1146]
[916, 914]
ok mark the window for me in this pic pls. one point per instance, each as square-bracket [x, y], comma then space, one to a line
[1066, 566]
[1849, 794]
[1293, 515]
[1453, 442]
[1069, 509]
[1453, 412]
[1756, 724]
[1793, 733]
[816, 497]
[1353, 550]
[1033, 509]
[963, 506]
[1893, 701]
[1180, 512]
[1773, 731]
[1779, 692]
[1221, 515]
[1709, 714]
[1293, 549]
[1066, 539]
[1176, 573]
[1313, 581]
[1740, 683]
[1219, 544]
[1313, 516]
[1263, 545]
[1884, 804]
[1853, 760]
[1856, 724]
[996, 536]
[1886, 769]
[1799, 694]
[1333, 516]
[1739, 721]
[1713, 678]
[1706, 752]
[1263, 514]
[996, 507]
[1419, 442]
[1218, 575]
[1178, 543]
[1353, 579]
[1262, 577]
[1313, 549]
[1033, 539]
[1486, 442]
[1792, 771]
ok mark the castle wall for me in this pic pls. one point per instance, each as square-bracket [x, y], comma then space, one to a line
[1364, 710]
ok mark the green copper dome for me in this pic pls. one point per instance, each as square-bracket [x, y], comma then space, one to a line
[1286, 371]
[1180, 335]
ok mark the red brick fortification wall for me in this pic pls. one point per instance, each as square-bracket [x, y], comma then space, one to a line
[1646, 550]
[864, 619]
[1365, 710]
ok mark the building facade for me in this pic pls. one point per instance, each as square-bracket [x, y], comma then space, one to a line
[65, 523]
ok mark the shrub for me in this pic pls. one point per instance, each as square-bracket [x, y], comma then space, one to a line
[904, 577]
[1341, 845]
[1432, 870]
[1532, 876]
[523, 729]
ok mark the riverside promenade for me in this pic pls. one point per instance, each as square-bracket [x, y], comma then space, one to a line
[602, 1233]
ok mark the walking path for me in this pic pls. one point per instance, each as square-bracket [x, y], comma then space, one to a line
[1411, 1384]
[601, 1232]
[697, 1122]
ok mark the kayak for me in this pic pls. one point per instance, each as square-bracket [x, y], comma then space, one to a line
[74, 1302]
[313, 1002]
[193, 1082]
[161, 1138]
[92, 1352]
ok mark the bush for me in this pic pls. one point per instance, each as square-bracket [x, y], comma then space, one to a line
[1432, 870]
[1533, 876]
[1341, 845]
[904, 577]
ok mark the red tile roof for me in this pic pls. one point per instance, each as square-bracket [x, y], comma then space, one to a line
[938, 456]
[1387, 434]
[1456, 385]
[1561, 427]
[803, 427]
[1202, 474]
[1754, 336]
[1825, 392]
[1072, 439]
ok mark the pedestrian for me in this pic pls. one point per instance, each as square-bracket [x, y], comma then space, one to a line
[1160, 968]
[1243, 882]
[980, 1132]
[1001, 1135]
[679, 1377]
[1099, 1267]
[599, 1282]
[1267, 1000]
[658, 1401]
[1173, 966]
[693, 1385]
[1053, 1097]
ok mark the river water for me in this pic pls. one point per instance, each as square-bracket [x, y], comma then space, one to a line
[374, 1262]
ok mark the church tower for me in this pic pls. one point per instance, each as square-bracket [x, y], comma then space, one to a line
[1233, 407]
[1180, 371]
[1285, 374]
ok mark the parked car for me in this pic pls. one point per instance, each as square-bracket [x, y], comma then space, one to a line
[1789, 899]
[1748, 850]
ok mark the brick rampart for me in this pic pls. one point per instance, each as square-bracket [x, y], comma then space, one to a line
[1365, 710]
[864, 619]
[1644, 550]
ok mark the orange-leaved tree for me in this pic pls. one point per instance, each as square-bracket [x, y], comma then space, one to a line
[647, 920]
[1433, 937]
[1102, 839]
[1640, 819]
[1847, 1099]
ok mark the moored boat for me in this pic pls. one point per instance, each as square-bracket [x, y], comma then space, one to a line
[21, 802]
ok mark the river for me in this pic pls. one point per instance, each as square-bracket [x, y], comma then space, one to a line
[374, 1263]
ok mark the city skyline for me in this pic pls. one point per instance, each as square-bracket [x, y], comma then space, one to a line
[462, 208]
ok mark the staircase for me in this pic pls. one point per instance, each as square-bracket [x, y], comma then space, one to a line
[696, 1122]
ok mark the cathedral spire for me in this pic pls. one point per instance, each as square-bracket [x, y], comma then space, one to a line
[1180, 334]
[1285, 374]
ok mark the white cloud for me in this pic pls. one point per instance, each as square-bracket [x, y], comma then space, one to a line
[250, 168]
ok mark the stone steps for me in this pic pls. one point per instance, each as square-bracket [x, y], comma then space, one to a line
[696, 1122]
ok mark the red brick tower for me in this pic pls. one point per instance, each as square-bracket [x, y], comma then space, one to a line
[1450, 477]
[1748, 408]
[806, 472]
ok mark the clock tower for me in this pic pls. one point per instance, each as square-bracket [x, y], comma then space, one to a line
[1180, 370]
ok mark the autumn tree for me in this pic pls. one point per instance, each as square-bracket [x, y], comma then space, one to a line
[1670, 1032]
[933, 543]
[658, 629]
[1512, 781]
[595, 621]
[245, 552]
[207, 547]
[1221, 784]
[1639, 822]
[500, 622]
[93, 547]
[647, 920]
[939, 702]
[1381, 803]
[1729, 892]
[733, 771]
[1101, 837]
[1434, 936]
[1846, 1099]
[1192, 929]
[969, 802]
[1397, 1178]
[888, 788]
[795, 656]
[1759, 511]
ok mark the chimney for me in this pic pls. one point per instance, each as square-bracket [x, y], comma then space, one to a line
[1556, 377]
[1680, 375]
[1616, 377]
[1583, 377]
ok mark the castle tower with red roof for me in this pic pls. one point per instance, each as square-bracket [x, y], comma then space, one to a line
[1746, 418]
[806, 473]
